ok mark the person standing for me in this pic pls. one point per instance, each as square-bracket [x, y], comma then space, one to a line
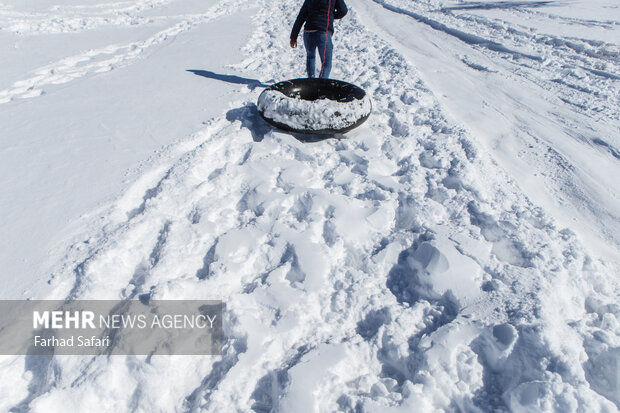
[318, 16]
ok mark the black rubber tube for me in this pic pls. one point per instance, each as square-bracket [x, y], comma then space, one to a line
[315, 89]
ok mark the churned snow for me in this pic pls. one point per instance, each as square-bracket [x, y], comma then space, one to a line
[456, 252]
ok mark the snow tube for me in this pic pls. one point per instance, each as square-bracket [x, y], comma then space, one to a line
[315, 106]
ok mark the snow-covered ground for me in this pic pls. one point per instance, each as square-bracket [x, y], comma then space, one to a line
[459, 251]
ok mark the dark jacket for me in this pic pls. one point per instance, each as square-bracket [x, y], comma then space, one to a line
[315, 14]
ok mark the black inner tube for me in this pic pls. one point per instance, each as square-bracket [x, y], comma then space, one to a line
[311, 90]
[317, 88]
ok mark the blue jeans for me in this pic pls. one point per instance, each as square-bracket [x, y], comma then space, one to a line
[323, 42]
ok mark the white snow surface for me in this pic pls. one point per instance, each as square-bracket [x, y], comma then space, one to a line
[313, 115]
[456, 252]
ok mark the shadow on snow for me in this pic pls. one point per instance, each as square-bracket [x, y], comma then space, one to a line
[250, 118]
[252, 83]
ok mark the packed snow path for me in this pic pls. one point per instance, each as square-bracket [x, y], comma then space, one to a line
[399, 269]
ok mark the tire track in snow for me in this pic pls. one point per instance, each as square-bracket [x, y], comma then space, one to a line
[572, 60]
[78, 18]
[331, 257]
[105, 59]
[468, 38]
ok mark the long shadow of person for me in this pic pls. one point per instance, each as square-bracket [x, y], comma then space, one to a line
[251, 83]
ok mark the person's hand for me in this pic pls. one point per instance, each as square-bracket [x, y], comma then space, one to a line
[293, 43]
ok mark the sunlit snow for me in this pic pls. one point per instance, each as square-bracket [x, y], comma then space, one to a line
[458, 252]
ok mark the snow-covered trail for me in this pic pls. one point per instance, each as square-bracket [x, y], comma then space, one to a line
[399, 269]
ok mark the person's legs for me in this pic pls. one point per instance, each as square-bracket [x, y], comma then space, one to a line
[325, 49]
[310, 45]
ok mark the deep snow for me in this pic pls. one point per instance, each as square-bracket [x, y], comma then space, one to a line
[457, 252]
